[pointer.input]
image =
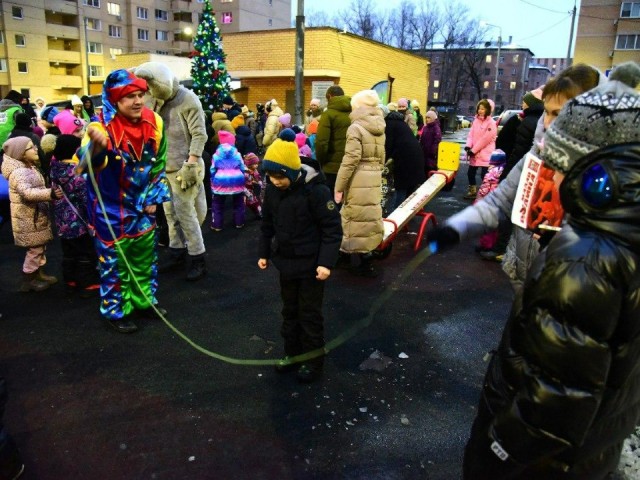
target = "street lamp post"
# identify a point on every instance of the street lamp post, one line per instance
(485, 24)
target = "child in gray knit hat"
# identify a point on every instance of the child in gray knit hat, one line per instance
(606, 115)
(562, 390)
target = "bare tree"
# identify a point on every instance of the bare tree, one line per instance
(424, 24)
(318, 19)
(383, 29)
(400, 21)
(360, 18)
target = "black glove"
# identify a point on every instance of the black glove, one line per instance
(442, 238)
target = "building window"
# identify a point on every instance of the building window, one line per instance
(227, 17)
(91, 3)
(226, 1)
(3, 64)
(512, 85)
(113, 8)
(162, 15)
(487, 71)
(94, 24)
(513, 71)
(485, 84)
(488, 59)
(143, 34)
(628, 42)
(436, 83)
(115, 51)
(270, 22)
(516, 57)
(23, 67)
(435, 95)
(95, 47)
(95, 71)
(500, 72)
(16, 12)
(630, 10)
(142, 13)
(436, 71)
(21, 40)
(162, 35)
(115, 31)
(501, 59)
(162, 52)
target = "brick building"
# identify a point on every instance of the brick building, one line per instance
(331, 56)
(608, 33)
(452, 81)
(58, 48)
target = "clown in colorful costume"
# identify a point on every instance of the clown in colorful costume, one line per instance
(127, 151)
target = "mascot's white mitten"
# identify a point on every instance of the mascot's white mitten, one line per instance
(188, 175)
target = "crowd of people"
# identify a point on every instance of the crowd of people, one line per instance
(561, 391)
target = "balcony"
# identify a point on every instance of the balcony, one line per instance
(62, 31)
(59, 82)
(181, 6)
(61, 6)
(65, 57)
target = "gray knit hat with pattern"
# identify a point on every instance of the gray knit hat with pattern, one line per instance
(606, 115)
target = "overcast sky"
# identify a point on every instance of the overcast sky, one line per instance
(541, 25)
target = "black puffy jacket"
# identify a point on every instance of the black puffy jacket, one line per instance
(563, 390)
(402, 145)
(301, 227)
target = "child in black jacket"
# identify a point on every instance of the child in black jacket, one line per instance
(300, 213)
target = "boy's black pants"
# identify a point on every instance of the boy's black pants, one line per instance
(302, 321)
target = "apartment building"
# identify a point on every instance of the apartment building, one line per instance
(58, 48)
(453, 83)
(555, 65)
(608, 33)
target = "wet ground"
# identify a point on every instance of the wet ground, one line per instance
(89, 403)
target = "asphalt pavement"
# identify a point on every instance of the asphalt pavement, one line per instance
(89, 403)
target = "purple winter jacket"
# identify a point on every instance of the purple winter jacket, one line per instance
(429, 140)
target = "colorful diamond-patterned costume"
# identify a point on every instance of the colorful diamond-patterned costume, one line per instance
(129, 174)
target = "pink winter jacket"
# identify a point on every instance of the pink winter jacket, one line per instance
(482, 141)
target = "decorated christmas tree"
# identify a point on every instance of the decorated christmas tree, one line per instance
(211, 82)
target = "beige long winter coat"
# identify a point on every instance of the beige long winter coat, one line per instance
(29, 199)
(272, 126)
(360, 178)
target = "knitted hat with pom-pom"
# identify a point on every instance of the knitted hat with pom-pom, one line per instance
(282, 156)
(606, 115)
(226, 137)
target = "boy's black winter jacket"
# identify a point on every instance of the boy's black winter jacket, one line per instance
(301, 226)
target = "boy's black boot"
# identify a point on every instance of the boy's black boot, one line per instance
(284, 367)
(197, 267)
(175, 260)
(309, 372)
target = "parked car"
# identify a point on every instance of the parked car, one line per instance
(505, 116)
(463, 122)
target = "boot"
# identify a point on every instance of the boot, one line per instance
(122, 325)
(309, 372)
(43, 277)
(472, 191)
(175, 261)
(197, 267)
(31, 282)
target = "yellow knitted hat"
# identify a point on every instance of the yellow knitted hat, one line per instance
(282, 157)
